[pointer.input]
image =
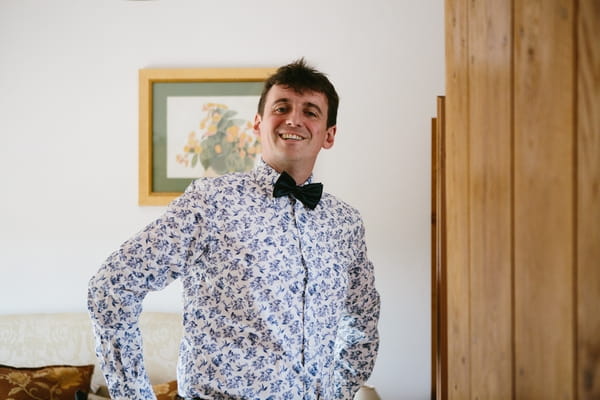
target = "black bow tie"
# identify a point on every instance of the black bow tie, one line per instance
(309, 194)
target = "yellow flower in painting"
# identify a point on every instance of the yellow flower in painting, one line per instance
(244, 139)
(18, 378)
(182, 160)
(211, 130)
(220, 136)
(232, 133)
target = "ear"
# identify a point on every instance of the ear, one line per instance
(256, 126)
(329, 137)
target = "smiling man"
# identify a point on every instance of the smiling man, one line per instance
(279, 295)
(294, 126)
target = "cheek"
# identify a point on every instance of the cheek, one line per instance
(267, 126)
(320, 131)
(263, 128)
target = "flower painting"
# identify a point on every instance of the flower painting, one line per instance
(195, 122)
(210, 136)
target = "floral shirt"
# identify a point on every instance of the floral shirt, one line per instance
(279, 300)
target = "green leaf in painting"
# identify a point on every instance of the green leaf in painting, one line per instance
(238, 121)
(205, 160)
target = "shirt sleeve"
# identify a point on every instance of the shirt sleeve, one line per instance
(148, 261)
(357, 340)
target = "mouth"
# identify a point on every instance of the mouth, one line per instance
(290, 136)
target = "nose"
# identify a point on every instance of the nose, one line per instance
(293, 123)
(294, 119)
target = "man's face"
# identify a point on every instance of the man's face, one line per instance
(293, 129)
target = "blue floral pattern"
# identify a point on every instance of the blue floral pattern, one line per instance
(279, 300)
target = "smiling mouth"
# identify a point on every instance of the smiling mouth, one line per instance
(290, 136)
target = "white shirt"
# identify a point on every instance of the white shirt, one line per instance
(279, 300)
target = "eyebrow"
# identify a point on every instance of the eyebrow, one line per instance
(306, 104)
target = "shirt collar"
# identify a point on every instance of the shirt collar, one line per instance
(266, 175)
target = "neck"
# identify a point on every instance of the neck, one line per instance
(300, 175)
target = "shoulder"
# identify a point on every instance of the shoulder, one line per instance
(214, 185)
(342, 222)
(340, 209)
(208, 183)
(214, 191)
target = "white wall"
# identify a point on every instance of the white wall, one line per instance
(68, 129)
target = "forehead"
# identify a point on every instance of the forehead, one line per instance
(279, 93)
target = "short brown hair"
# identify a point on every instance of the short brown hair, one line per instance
(300, 77)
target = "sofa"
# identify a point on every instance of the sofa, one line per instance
(66, 339)
(44, 353)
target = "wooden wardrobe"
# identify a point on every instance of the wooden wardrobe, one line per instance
(516, 202)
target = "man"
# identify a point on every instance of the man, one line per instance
(279, 296)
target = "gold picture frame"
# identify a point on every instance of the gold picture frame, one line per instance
(159, 85)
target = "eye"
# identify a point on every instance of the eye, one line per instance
(311, 114)
(279, 109)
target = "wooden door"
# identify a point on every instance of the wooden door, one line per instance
(522, 201)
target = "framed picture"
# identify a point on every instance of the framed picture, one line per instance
(195, 123)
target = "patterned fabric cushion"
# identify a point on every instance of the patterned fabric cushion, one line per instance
(165, 391)
(57, 382)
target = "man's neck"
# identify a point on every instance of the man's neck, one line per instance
(300, 175)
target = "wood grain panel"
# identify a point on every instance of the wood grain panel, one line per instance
(543, 199)
(588, 196)
(490, 106)
(457, 202)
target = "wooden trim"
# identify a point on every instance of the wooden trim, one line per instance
(543, 187)
(441, 283)
(588, 200)
(489, 194)
(435, 330)
(439, 364)
(457, 176)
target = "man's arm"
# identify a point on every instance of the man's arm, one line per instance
(357, 341)
(149, 261)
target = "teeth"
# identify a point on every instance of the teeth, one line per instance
(290, 136)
